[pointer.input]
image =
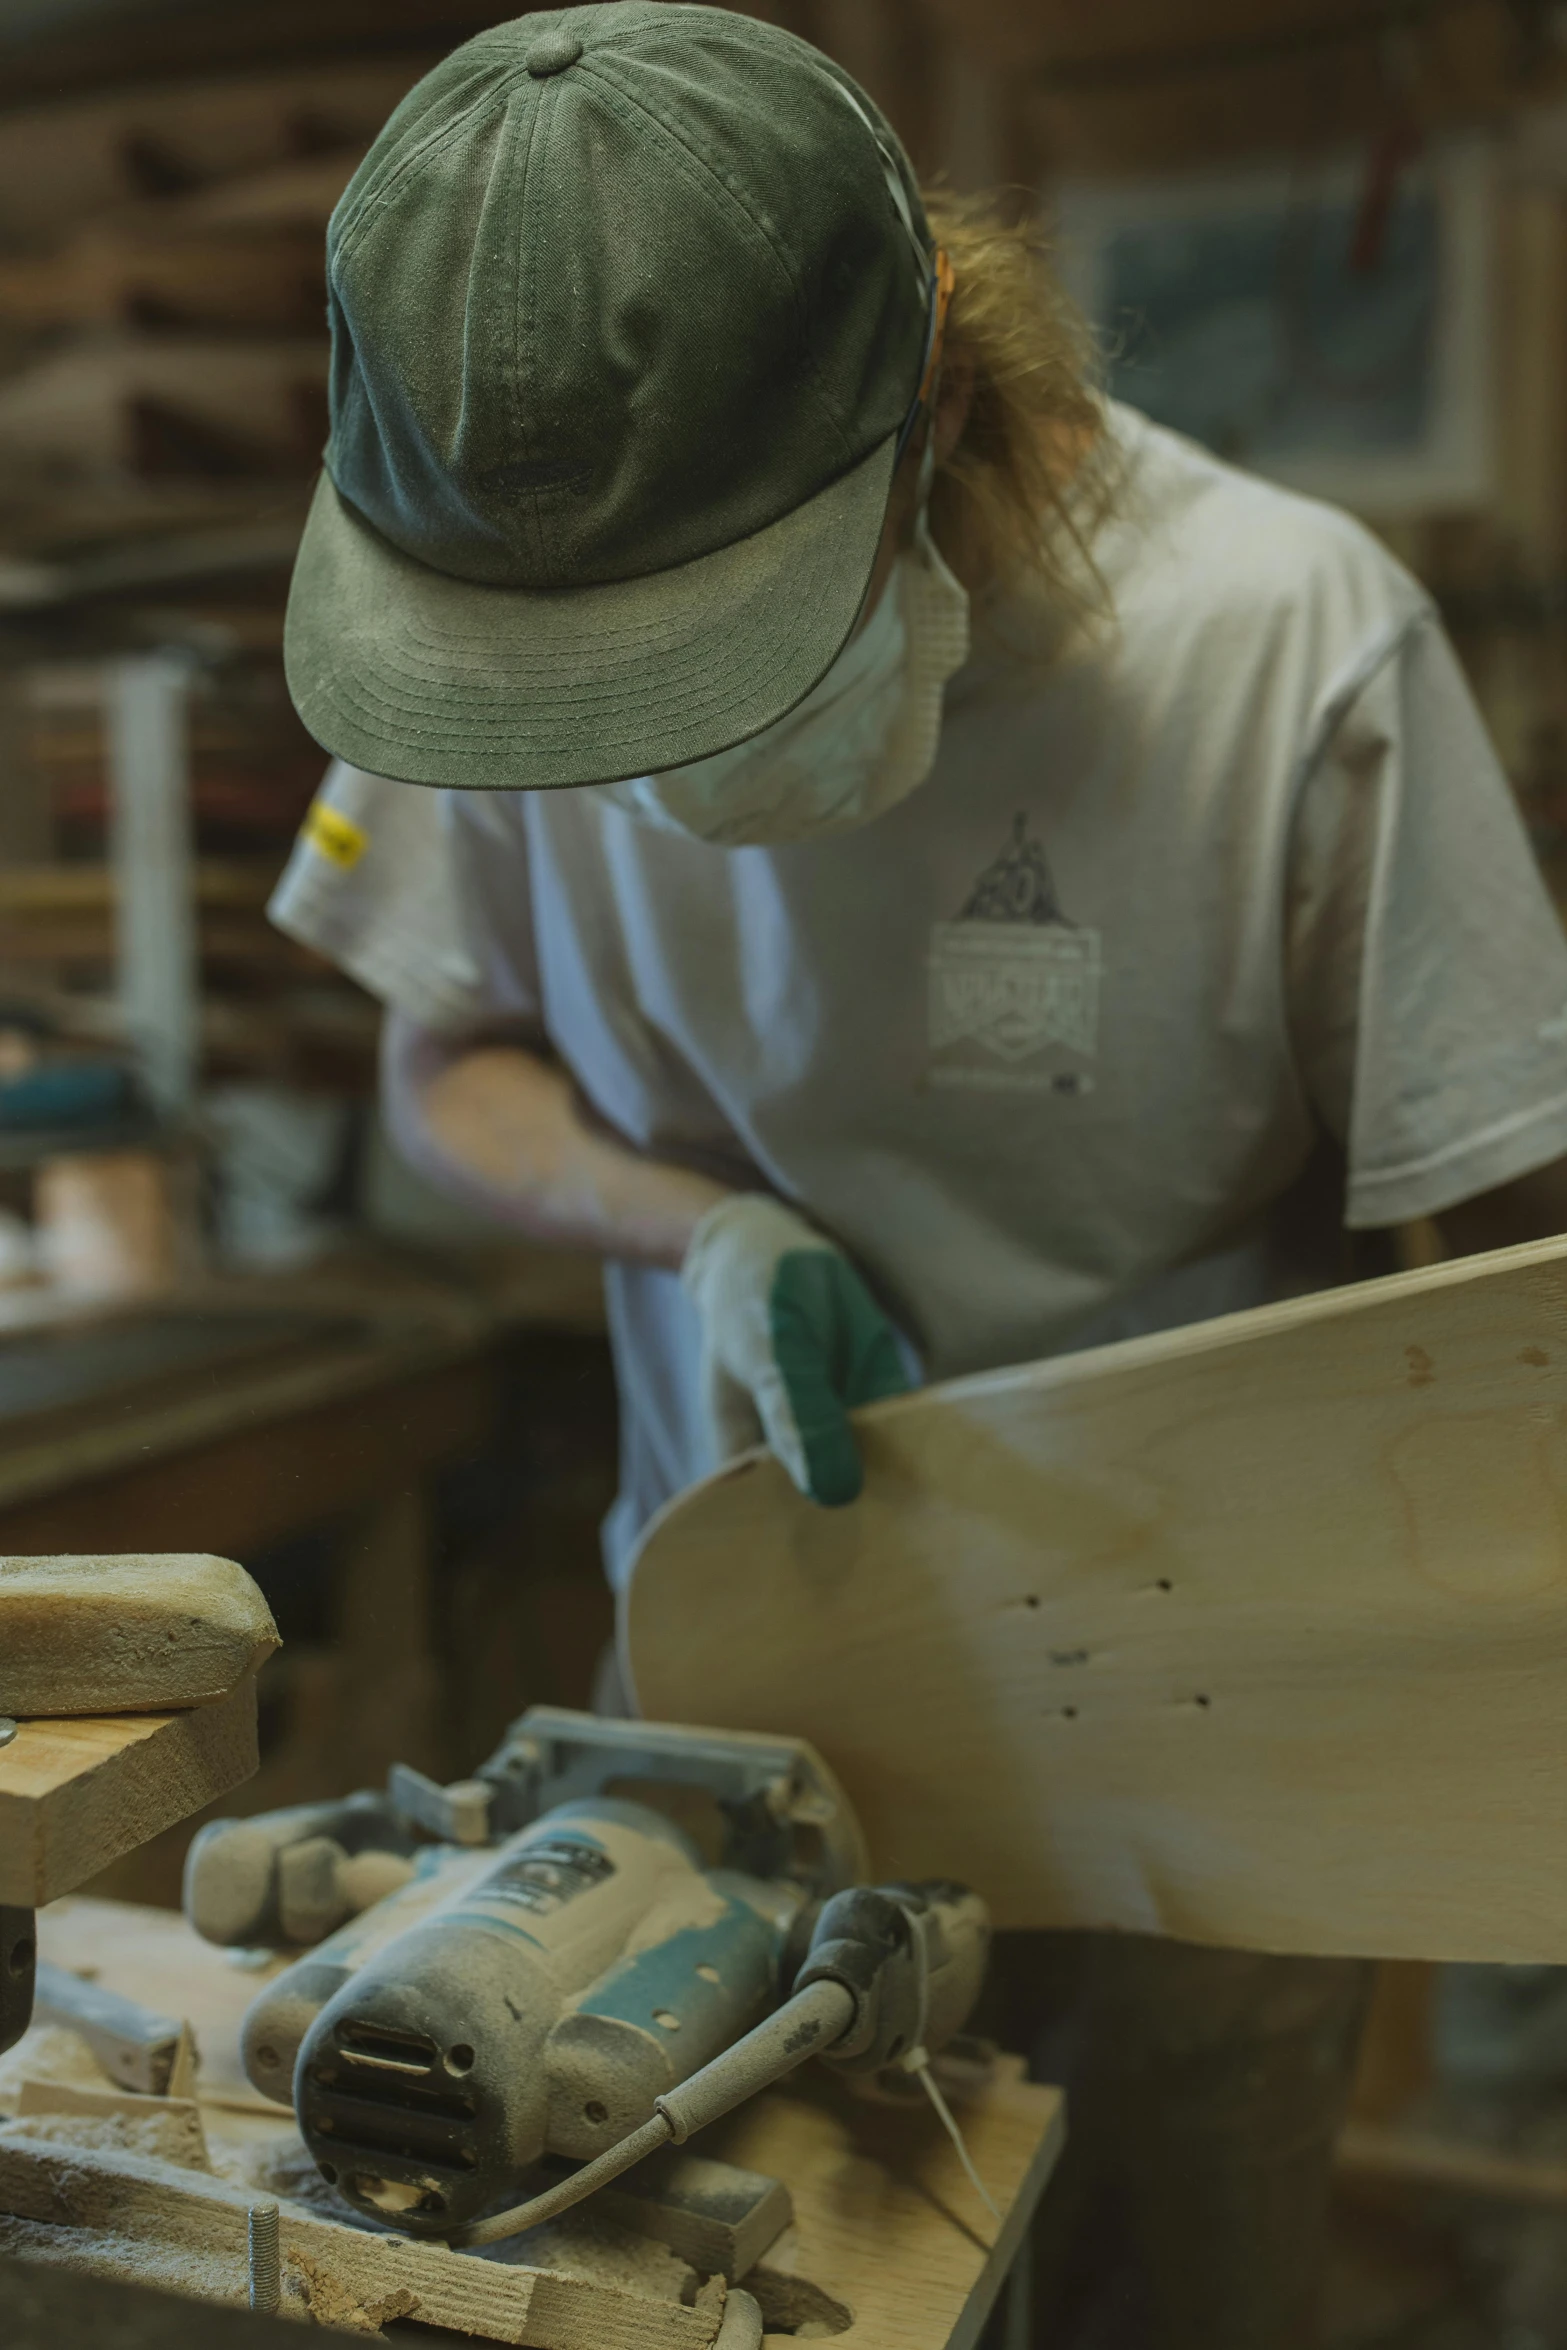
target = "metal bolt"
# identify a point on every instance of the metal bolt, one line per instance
(266, 2278)
(7, 1729)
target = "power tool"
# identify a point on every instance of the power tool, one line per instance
(608, 1937)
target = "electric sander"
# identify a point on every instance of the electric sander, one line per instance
(611, 1935)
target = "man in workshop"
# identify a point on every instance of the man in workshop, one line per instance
(931, 871)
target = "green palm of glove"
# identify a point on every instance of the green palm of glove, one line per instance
(792, 1341)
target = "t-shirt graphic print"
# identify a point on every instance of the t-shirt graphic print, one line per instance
(1014, 983)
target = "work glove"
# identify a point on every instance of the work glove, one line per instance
(792, 1340)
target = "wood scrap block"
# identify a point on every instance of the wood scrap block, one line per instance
(138, 1632)
(138, 2047)
(75, 1795)
(719, 2218)
(108, 1226)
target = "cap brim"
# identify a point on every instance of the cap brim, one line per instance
(410, 673)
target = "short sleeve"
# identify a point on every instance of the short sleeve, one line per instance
(1427, 968)
(492, 872)
(373, 885)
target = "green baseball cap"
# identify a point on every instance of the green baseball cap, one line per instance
(630, 311)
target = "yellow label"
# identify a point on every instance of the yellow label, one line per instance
(340, 840)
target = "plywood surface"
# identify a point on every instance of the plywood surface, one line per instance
(77, 1794)
(886, 2224)
(888, 2232)
(1254, 1633)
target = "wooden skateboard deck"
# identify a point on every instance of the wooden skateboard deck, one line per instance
(1252, 1633)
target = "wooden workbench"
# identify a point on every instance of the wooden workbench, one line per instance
(890, 2249)
(376, 1371)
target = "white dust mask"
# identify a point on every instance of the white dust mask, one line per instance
(863, 738)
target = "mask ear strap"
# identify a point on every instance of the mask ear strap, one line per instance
(942, 280)
(939, 278)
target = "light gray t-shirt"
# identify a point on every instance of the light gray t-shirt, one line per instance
(1059, 1048)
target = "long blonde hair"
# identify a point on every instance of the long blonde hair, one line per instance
(1017, 504)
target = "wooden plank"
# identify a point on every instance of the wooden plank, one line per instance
(75, 1795)
(1252, 1633)
(337, 2275)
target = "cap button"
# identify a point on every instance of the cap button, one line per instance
(552, 53)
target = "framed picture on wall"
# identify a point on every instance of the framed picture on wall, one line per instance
(1329, 324)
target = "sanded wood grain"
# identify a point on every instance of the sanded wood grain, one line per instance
(127, 1632)
(76, 1794)
(1253, 1633)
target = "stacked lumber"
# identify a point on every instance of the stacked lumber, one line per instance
(1153, 85)
(134, 1678)
(252, 766)
(163, 357)
(161, 306)
(270, 1008)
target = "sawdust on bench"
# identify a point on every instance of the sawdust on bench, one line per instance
(49, 2052)
(166, 2137)
(581, 2244)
